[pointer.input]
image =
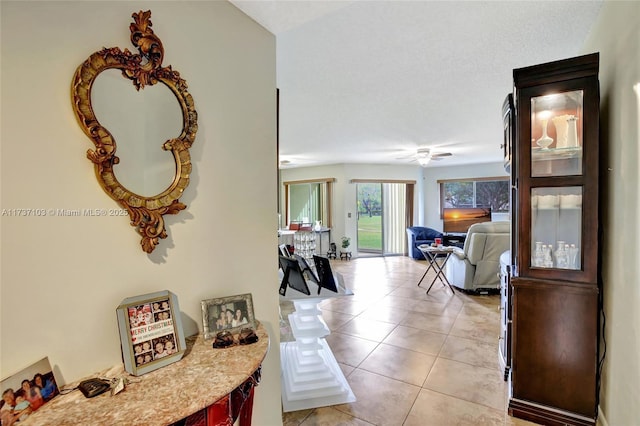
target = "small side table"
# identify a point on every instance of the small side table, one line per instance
(345, 255)
(431, 255)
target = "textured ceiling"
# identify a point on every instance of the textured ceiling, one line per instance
(372, 81)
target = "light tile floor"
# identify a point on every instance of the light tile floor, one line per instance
(411, 358)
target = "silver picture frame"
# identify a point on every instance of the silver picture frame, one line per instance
(232, 313)
(151, 334)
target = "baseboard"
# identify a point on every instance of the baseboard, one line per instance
(602, 421)
(546, 415)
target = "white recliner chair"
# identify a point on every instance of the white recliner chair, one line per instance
(476, 266)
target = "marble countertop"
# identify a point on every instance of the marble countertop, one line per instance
(203, 376)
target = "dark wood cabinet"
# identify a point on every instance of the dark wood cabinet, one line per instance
(508, 117)
(554, 286)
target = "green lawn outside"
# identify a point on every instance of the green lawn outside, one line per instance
(370, 232)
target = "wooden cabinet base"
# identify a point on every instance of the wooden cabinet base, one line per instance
(555, 347)
(546, 415)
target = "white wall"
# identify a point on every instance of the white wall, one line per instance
(616, 36)
(63, 277)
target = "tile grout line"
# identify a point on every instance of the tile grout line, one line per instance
(401, 290)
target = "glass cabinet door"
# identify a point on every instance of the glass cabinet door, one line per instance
(508, 117)
(556, 134)
(556, 227)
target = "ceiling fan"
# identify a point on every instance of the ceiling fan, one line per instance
(287, 161)
(424, 155)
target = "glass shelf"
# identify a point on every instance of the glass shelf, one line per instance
(556, 134)
(539, 154)
(304, 243)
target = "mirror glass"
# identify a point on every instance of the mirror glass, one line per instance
(140, 122)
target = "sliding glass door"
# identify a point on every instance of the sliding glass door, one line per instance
(369, 204)
(381, 217)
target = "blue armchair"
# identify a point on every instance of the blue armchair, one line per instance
(417, 235)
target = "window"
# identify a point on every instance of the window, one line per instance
(305, 202)
(308, 201)
(480, 192)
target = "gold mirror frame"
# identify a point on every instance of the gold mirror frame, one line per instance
(144, 69)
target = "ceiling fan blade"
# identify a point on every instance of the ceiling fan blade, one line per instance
(440, 155)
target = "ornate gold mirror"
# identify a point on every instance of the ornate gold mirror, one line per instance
(144, 70)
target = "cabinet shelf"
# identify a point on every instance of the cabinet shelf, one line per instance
(539, 154)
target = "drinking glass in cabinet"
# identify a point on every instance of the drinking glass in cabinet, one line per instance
(556, 223)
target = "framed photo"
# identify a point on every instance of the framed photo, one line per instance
(26, 391)
(231, 313)
(151, 334)
(284, 251)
